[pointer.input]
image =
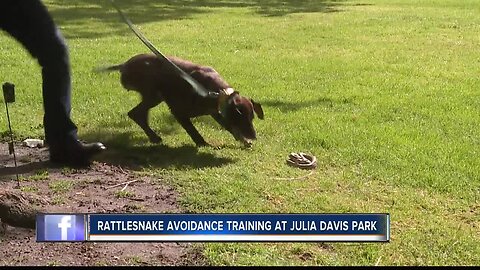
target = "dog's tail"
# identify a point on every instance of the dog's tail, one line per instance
(108, 68)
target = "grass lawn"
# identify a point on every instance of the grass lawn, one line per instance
(384, 92)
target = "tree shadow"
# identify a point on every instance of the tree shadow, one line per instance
(75, 17)
(289, 106)
(281, 8)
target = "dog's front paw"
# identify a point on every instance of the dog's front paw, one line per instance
(155, 139)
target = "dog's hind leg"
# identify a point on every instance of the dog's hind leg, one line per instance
(139, 114)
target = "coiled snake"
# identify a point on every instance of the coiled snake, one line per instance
(302, 161)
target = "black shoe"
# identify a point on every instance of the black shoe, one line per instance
(75, 153)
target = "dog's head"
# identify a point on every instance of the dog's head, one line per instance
(238, 113)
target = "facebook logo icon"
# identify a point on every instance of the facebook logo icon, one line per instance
(56, 227)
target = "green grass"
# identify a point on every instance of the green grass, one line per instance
(384, 93)
(53, 263)
(38, 176)
(31, 189)
(60, 186)
(57, 200)
(124, 194)
(135, 260)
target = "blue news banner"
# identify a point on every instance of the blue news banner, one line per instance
(214, 227)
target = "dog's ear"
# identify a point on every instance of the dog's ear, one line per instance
(257, 108)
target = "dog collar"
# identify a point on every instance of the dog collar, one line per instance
(223, 100)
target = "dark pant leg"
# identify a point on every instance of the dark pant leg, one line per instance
(29, 22)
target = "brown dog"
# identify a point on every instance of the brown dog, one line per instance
(148, 75)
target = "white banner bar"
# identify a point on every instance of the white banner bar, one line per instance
(233, 237)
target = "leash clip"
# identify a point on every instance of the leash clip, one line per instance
(223, 100)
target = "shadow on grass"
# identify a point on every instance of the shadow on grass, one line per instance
(25, 168)
(289, 106)
(134, 154)
(75, 16)
(163, 124)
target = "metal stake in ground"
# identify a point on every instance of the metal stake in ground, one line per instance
(9, 97)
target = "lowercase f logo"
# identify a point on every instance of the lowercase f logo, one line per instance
(64, 225)
(60, 227)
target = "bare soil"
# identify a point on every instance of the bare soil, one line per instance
(89, 190)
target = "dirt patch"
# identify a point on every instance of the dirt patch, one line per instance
(98, 189)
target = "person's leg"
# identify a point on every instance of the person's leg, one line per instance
(56, 91)
(29, 22)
